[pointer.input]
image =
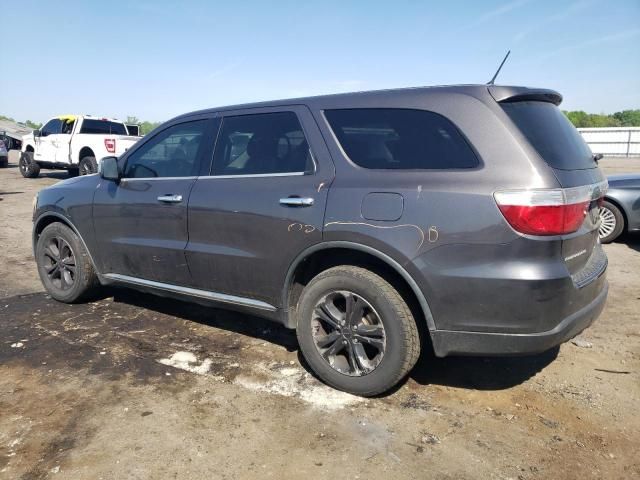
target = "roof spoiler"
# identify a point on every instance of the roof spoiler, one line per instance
(522, 94)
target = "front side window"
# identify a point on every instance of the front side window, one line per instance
(388, 138)
(52, 127)
(174, 152)
(262, 144)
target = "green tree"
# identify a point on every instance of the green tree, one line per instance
(33, 125)
(145, 126)
(628, 118)
(582, 119)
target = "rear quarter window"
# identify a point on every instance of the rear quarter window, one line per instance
(103, 127)
(400, 139)
(552, 135)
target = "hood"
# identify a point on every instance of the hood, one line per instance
(624, 179)
(81, 181)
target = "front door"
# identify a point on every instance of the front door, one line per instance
(262, 204)
(45, 148)
(141, 221)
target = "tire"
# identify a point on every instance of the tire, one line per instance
(73, 172)
(88, 165)
(27, 166)
(67, 275)
(382, 305)
(611, 222)
(4, 162)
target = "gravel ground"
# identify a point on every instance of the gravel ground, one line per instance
(132, 386)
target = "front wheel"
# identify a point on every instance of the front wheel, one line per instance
(27, 166)
(611, 222)
(64, 265)
(356, 332)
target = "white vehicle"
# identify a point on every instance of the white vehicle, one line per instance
(74, 143)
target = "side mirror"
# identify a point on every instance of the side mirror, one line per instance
(37, 133)
(597, 157)
(108, 168)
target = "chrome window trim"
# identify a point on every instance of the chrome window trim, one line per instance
(259, 175)
(146, 179)
(193, 292)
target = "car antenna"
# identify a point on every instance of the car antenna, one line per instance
(491, 82)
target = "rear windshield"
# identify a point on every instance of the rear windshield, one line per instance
(551, 134)
(103, 127)
(388, 138)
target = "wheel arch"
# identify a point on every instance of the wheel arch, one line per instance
(48, 218)
(320, 257)
(29, 148)
(85, 152)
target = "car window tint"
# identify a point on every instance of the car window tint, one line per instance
(103, 127)
(551, 134)
(174, 152)
(388, 138)
(52, 127)
(261, 144)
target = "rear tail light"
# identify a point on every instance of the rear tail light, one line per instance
(110, 145)
(548, 212)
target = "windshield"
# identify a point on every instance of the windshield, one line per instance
(551, 134)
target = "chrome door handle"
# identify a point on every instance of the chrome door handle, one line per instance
(170, 198)
(297, 201)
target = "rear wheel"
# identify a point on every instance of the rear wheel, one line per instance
(356, 331)
(28, 167)
(611, 222)
(88, 165)
(64, 265)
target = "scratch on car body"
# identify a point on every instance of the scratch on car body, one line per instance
(410, 225)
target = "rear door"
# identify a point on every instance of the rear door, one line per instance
(141, 221)
(562, 147)
(262, 204)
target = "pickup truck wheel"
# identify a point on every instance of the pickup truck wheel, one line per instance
(356, 332)
(28, 167)
(88, 165)
(64, 265)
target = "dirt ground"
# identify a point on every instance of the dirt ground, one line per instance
(136, 387)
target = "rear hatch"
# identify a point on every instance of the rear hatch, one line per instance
(583, 184)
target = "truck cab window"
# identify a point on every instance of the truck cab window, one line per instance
(52, 127)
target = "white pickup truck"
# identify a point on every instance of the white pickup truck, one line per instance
(75, 143)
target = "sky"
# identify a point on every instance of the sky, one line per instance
(158, 59)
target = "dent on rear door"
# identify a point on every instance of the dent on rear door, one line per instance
(242, 240)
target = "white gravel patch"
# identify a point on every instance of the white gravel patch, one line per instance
(187, 361)
(297, 383)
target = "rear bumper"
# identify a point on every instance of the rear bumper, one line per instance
(449, 342)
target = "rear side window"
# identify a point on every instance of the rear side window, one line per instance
(103, 127)
(386, 138)
(262, 144)
(551, 134)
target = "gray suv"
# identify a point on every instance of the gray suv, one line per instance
(372, 223)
